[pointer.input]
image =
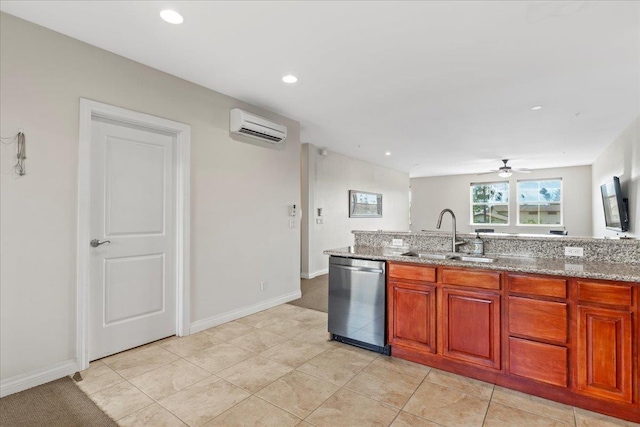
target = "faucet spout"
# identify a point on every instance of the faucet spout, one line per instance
(454, 242)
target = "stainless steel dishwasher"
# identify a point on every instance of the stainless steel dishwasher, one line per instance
(357, 302)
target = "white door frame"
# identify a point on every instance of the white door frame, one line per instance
(182, 132)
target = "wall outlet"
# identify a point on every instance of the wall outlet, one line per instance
(292, 223)
(319, 221)
(263, 285)
(570, 251)
(396, 242)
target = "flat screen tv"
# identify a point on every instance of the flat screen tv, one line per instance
(616, 213)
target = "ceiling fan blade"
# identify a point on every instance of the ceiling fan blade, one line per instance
(522, 170)
(487, 173)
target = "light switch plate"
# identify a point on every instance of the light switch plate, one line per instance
(396, 242)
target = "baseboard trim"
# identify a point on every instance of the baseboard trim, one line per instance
(210, 322)
(37, 377)
(314, 274)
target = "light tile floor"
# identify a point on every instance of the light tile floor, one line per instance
(276, 368)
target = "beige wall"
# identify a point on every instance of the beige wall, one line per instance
(240, 192)
(329, 180)
(621, 159)
(430, 195)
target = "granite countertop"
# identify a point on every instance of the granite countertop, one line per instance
(557, 267)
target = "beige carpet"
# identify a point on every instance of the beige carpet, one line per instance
(315, 293)
(59, 403)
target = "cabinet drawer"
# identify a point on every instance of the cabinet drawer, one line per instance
(412, 272)
(535, 285)
(544, 320)
(605, 293)
(472, 278)
(540, 362)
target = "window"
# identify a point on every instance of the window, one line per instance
(540, 202)
(490, 203)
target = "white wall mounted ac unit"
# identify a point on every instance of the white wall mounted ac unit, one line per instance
(247, 124)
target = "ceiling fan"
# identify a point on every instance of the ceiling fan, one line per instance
(506, 171)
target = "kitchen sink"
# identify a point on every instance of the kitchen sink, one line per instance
(456, 257)
(426, 255)
(475, 259)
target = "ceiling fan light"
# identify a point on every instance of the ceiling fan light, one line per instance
(504, 174)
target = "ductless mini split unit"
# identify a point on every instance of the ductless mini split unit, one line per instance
(247, 124)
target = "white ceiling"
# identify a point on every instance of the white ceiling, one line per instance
(447, 87)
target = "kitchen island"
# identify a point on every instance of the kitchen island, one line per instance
(563, 328)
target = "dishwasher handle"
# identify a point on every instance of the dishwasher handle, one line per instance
(364, 269)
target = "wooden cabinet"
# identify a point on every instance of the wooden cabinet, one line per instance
(538, 361)
(604, 353)
(411, 272)
(471, 327)
(605, 340)
(471, 278)
(576, 341)
(538, 328)
(412, 313)
(543, 286)
(456, 317)
(539, 320)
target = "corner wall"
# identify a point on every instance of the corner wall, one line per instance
(621, 159)
(240, 193)
(327, 181)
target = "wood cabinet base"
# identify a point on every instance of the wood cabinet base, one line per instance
(559, 394)
(574, 341)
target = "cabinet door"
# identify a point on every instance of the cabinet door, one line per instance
(412, 311)
(604, 353)
(471, 327)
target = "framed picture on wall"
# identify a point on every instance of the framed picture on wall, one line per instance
(365, 205)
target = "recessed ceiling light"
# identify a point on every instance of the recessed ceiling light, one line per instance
(388, 153)
(289, 78)
(171, 16)
(536, 108)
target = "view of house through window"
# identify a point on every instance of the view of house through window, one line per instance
(490, 203)
(540, 202)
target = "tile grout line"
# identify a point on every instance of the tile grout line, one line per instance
(153, 402)
(171, 394)
(256, 393)
(299, 337)
(248, 391)
(412, 394)
(513, 406)
(486, 412)
(344, 387)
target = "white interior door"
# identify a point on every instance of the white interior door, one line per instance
(132, 287)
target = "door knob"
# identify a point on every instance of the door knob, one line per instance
(95, 243)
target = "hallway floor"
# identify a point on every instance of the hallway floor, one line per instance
(276, 368)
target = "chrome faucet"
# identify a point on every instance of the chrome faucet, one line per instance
(454, 242)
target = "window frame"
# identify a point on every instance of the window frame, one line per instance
(507, 204)
(561, 224)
